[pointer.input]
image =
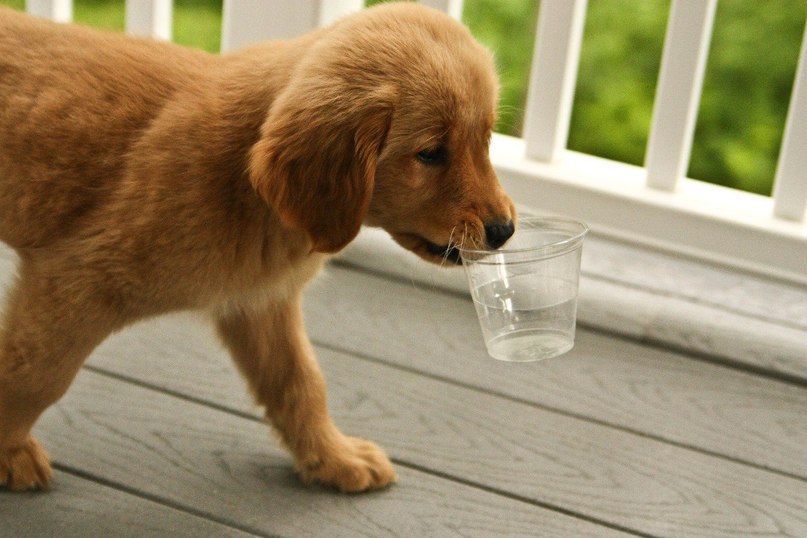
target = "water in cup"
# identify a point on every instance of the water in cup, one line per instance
(525, 293)
(526, 318)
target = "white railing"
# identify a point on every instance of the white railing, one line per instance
(655, 204)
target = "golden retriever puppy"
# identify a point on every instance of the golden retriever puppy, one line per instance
(139, 178)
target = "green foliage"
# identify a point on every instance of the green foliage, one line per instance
(755, 48)
(107, 14)
(508, 29)
(751, 65)
(197, 23)
(619, 63)
(746, 92)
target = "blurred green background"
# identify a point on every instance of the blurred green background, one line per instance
(749, 75)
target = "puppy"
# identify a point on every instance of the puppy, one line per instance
(139, 178)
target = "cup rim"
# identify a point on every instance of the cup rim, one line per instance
(544, 250)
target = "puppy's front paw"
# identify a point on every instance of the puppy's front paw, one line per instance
(25, 467)
(350, 465)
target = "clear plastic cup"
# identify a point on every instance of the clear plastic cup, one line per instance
(526, 293)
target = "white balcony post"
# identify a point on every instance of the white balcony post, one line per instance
(150, 18)
(553, 77)
(251, 21)
(452, 7)
(675, 110)
(57, 10)
(790, 185)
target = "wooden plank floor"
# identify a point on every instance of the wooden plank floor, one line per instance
(617, 438)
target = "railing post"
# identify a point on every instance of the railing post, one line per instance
(150, 18)
(675, 109)
(790, 184)
(251, 21)
(57, 10)
(553, 77)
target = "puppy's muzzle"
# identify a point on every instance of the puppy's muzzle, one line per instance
(496, 234)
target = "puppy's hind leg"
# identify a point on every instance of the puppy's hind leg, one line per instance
(272, 351)
(45, 336)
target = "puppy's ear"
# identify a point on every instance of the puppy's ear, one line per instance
(316, 159)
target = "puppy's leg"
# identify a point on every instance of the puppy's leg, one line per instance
(45, 336)
(273, 352)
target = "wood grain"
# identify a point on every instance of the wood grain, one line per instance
(662, 394)
(603, 473)
(672, 322)
(629, 267)
(602, 433)
(229, 469)
(717, 287)
(648, 486)
(733, 317)
(79, 508)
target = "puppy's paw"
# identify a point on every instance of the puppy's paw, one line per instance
(350, 465)
(25, 467)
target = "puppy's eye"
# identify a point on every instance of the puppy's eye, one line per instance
(433, 156)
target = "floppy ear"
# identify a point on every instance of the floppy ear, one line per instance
(315, 161)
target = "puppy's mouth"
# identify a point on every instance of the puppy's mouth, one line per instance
(448, 253)
(429, 250)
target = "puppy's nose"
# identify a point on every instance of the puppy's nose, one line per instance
(497, 233)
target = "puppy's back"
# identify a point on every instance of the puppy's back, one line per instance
(72, 101)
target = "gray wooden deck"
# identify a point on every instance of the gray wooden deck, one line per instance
(622, 436)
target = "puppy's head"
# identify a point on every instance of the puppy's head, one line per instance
(386, 121)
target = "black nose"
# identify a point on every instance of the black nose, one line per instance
(497, 234)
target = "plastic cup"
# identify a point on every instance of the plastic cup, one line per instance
(525, 294)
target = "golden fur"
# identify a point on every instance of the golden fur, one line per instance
(138, 178)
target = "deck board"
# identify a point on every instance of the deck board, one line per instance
(599, 472)
(718, 287)
(641, 388)
(77, 507)
(616, 438)
(738, 319)
(230, 470)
